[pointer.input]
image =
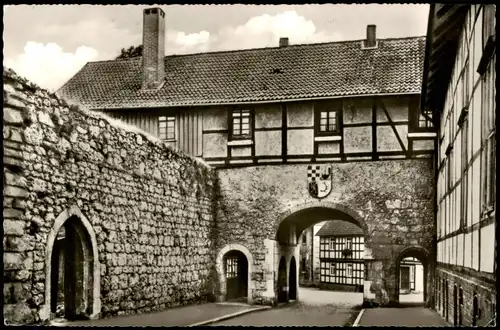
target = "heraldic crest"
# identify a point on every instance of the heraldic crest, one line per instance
(319, 180)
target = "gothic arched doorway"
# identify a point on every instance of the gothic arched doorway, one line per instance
(292, 280)
(72, 261)
(282, 281)
(236, 271)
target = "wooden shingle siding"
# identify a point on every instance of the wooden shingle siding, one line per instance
(188, 126)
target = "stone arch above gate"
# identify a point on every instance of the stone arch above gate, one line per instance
(311, 206)
(219, 264)
(424, 257)
(73, 211)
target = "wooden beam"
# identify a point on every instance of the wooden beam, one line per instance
(393, 126)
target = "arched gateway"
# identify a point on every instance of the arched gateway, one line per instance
(290, 225)
(72, 271)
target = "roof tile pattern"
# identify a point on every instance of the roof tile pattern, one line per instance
(339, 228)
(266, 74)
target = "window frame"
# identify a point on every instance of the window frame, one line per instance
(232, 118)
(328, 107)
(168, 118)
(415, 115)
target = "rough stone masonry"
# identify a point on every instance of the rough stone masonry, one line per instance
(148, 207)
(158, 222)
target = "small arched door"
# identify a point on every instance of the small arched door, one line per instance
(72, 276)
(292, 280)
(282, 279)
(236, 271)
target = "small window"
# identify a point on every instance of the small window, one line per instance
(348, 243)
(304, 238)
(332, 243)
(349, 270)
(425, 119)
(232, 267)
(241, 124)
(166, 128)
(329, 122)
(333, 268)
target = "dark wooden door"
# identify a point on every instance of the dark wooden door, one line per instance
(236, 266)
(282, 287)
(405, 279)
(292, 280)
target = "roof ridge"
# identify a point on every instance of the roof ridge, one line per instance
(263, 48)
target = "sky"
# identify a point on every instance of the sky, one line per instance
(59, 40)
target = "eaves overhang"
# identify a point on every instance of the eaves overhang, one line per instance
(443, 34)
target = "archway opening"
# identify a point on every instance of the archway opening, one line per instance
(411, 278)
(236, 272)
(292, 280)
(282, 281)
(328, 264)
(72, 261)
(455, 305)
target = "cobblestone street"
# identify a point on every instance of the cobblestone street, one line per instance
(315, 308)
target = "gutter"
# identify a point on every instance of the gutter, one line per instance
(428, 41)
(318, 98)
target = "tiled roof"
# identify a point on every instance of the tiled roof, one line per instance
(308, 71)
(339, 228)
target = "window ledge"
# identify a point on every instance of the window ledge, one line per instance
(240, 143)
(422, 134)
(328, 138)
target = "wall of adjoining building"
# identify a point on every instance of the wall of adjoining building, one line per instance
(394, 198)
(148, 210)
(466, 241)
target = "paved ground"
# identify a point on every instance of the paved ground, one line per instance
(181, 316)
(315, 308)
(403, 317)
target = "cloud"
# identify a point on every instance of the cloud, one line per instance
(265, 31)
(47, 65)
(179, 42)
(259, 31)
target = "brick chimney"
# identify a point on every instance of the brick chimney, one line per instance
(153, 48)
(371, 37)
(283, 42)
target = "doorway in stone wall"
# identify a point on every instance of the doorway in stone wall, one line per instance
(411, 277)
(282, 279)
(71, 289)
(292, 280)
(236, 271)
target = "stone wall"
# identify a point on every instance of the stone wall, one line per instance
(394, 198)
(148, 207)
(469, 285)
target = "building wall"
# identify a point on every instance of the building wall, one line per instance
(147, 209)
(331, 248)
(305, 262)
(393, 197)
(466, 239)
(188, 125)
(370, 128)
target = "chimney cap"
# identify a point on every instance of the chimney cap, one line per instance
(154, 10)
(371, 37)
(283, 41)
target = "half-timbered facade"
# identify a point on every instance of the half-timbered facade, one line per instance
(459, 88)
(341, 256)
(352, 100)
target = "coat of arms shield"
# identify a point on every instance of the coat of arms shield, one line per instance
(319, 180)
